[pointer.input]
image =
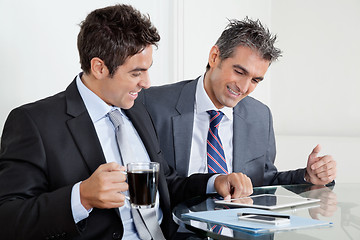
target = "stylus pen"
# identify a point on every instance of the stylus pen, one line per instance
(264, 214)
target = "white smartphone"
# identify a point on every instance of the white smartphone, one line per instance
(265, 219)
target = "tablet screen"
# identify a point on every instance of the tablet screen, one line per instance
(268, 201)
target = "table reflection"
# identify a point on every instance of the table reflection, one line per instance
(345, 215)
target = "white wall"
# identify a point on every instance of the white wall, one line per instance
(316, 85)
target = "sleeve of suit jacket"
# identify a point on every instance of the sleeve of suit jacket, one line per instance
(271, 175)
(27, 202)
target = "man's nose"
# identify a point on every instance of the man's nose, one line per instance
(145, 81)
(244, 85)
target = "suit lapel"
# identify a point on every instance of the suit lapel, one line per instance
(239, 141)
(248, 142)
(142, 123)
(83, 130)
(183, 126)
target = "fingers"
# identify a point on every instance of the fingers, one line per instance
(103, 189)
(107, 167)
(320, 170)
(109, 199)
(314, 153)
(242, 185)
(109, 178)
(234, 185)
(316, 150)
(323, 164)
(324, 168)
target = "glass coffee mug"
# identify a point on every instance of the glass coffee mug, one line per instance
(143, 181)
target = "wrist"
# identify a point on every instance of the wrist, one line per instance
(307, 177)
(83, 199)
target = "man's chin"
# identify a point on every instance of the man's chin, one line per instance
(232, 104)
(127, 105)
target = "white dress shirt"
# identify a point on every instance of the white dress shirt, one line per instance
(105, 130)
(198, 153)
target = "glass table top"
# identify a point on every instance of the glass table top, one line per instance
(338, 204)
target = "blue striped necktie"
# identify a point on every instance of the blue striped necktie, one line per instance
(215, 152)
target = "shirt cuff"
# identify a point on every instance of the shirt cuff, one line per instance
(210, 184)
(78, 210)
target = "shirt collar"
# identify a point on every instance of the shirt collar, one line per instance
(203, 102)
(95, 106)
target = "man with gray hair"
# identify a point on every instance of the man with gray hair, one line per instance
(210, 124)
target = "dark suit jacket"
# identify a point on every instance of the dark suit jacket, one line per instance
(172, 110)
(47, 147)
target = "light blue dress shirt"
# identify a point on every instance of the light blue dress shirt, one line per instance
(105, 130)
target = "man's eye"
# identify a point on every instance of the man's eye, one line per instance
(238, 72)
(136, 74)
(255, 80)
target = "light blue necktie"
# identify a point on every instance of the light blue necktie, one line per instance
(145, 220)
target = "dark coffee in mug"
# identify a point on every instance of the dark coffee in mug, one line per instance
(143, 187)
(143, 183)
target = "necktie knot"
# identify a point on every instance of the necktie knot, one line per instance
(125, 150)
(215, 118)
(116, 118)
(214, 113)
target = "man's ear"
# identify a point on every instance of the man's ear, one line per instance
(98, 68)
(214, 56)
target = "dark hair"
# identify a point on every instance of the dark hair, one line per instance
(113, 34)
(250, 33)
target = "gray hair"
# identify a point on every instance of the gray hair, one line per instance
(250, 33)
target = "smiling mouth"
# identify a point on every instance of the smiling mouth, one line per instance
(134, 93)
(233, 92)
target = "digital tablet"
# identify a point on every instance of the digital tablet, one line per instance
(268, 201)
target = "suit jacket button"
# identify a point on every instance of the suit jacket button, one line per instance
(116, 235)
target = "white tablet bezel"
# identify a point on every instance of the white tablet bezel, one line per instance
(277, 221)
(297, 200)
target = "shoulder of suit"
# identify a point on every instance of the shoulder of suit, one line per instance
(177, 85)
(168, 92)
(253, 102)
(53, 100)
(252, 106)
(45, 103)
